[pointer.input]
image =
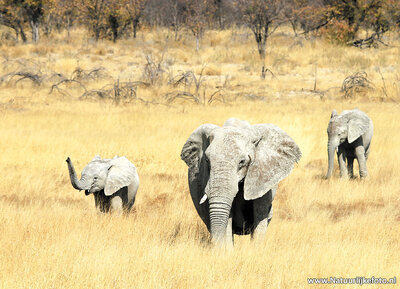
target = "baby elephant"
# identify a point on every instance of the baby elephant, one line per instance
(113, 182)
(350, 133)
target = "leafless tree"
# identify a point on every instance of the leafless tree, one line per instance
(263, 17)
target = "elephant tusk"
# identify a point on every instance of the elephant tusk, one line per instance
(203, 199)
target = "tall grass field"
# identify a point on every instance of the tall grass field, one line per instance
(126, 99)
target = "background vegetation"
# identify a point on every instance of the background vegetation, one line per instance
(66, 94)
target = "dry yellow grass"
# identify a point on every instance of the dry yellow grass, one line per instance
(52, 237)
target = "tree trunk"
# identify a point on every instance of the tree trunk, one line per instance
(135, 25)
(16, 33)
(263, 73)
(263, 69)
(176, 33)
(48, 26)
(114, 27)
(261, 45)
(219, 14)
(197, 42)
(68, 27)
(97, 34)
(293, 23)
(35, 30)
(22, 32)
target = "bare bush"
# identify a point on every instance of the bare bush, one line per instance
(154, 69)
(371, 41)
(355, 84)
(36, 78)
(78, 76)
(58, 86)
(117, 91)
(22, 69)
(89, 74)
(194, 88)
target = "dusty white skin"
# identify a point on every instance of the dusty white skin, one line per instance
(233, 174)
(113, 183)
(350, 134)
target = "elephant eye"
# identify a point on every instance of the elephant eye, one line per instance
(242, 163)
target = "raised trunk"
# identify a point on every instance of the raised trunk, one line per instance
(331, 158)
(77, 184)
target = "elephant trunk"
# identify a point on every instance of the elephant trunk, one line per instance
(222, 190)
(77, 184)
(219, 215)
(331, 157)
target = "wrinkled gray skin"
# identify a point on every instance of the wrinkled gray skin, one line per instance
(113, 183)
(350, 134)
(234, 171)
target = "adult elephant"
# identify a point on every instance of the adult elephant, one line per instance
(113, 182)
(350, 134)
(233, 174)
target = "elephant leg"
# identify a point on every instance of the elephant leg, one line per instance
(262, 209)
(101, 201)
(116, 205)
(130, 205)
(260, 230)
(362, 162)
(367, 152)
(130, 197)
(342, 163)
(97, 201)
(350, 162)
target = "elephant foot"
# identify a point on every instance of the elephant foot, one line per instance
(226, 244)
(363, 175)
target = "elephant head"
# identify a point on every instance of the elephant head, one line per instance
(259, 156)
(109, 175)
(347, 127)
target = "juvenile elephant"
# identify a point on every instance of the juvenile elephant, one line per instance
(234, 171)
(350, 134)
(113, 182)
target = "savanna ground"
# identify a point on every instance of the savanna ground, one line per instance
(51, 235)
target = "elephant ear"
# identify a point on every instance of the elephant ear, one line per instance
(357, 126)
(196, 145)
(120, 174)
(96, 158)
(198, 173)
(274, 158)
